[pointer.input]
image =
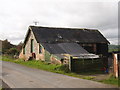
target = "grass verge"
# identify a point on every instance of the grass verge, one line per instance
(58, 69)
(46, 66)
(112, 80)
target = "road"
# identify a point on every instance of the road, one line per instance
(18, 76)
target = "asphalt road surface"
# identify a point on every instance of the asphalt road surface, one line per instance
(18, 76)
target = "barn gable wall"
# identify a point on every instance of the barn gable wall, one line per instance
(39, 56)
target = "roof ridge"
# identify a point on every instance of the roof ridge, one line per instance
(70, 28)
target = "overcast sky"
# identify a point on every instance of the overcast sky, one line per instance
(17, 15)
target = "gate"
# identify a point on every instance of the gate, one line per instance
(83, 65)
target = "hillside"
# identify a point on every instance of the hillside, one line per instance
(114, 48)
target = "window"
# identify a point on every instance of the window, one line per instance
(32, 43)
(90, 47)
(24, 50)
(40, 48)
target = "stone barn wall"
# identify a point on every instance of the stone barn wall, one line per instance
(36, 46)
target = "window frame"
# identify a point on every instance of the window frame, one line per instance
(24, 50)
(40, 48)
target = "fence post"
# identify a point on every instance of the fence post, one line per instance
(70, 59)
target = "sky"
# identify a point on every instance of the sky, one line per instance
(17, 15)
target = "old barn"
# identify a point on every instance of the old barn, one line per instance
(59, 45)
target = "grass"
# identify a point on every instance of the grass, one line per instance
(58, 69)
(111, 80)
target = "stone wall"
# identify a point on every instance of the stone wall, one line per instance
(55, 60)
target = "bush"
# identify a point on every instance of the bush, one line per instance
(12, 51)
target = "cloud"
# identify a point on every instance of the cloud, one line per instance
(17, 15)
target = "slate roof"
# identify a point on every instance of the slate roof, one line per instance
(64, 48)
(65, 35)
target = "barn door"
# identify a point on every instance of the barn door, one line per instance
(77, 65)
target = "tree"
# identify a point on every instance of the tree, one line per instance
(10, 49)
(13, 51)
(19, 47)
(6, 45)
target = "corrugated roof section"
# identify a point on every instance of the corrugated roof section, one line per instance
(53, 48)
(64, 48)
(72, 48)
